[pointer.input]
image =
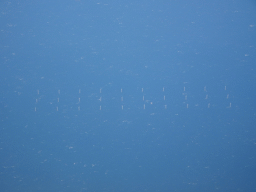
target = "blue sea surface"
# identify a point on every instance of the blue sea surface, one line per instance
(127, 96)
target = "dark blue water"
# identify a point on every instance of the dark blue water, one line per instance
(129, 96)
